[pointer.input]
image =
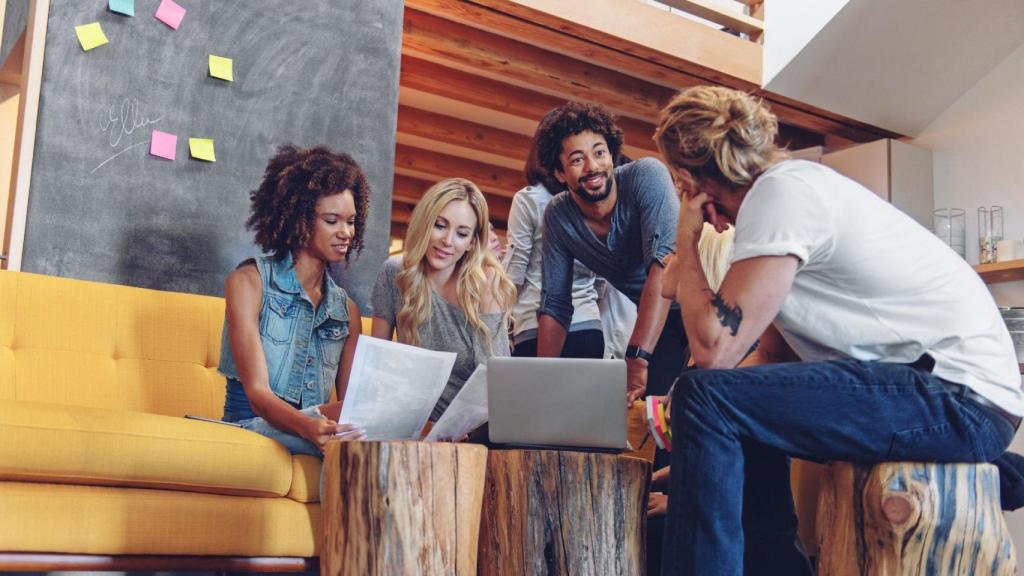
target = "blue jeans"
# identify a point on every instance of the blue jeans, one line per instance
(294, 444)
(731, 425)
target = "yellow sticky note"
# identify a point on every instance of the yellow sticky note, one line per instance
(201, 149)
(220, 67)
(90, 36)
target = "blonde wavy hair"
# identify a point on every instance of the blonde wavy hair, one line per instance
(715, 252)
(470, 270)
(718, 133)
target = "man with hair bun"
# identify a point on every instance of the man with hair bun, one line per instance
(620, 223)
(904, 354)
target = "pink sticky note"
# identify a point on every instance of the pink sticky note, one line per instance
(170, 13)
(163, 144)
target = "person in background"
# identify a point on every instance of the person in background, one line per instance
(524, 265)
(495, 244)
(715, 251)
(288, 342)
(618, 318)
(904, 354)
(447, 291)
(620, 223)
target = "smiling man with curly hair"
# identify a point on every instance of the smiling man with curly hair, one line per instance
(621, 223)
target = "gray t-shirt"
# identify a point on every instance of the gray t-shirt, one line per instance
(643, 231)
(446, 329)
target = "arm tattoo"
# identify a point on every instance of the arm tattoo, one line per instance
(729, 316)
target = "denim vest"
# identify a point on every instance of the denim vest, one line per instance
(302, 346)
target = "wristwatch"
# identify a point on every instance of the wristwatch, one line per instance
(634, 351)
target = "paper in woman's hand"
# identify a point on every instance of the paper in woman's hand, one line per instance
(393, 388)
(466, 412)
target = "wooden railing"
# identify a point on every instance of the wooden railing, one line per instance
(751, 24)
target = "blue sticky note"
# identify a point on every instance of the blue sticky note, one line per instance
(126, 7)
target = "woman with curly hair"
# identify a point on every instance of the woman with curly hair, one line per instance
(288, 342)
(448, 292)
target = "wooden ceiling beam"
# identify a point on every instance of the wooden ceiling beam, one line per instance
(648, 46)
(400, 212)
(615, 38)
(410, 190)
(416, 162)
(498, 58)
(425, 76)
(398, 231)
(459, 132)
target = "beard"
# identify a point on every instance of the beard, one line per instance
(586, 195)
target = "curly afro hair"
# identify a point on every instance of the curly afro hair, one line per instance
(284, 206)
(568, 120)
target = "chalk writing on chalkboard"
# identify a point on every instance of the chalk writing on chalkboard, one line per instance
(122, 120)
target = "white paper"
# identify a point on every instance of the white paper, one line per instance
(393, 388)
(466, 412)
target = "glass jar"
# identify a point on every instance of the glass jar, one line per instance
(948, 225)
(990, 231)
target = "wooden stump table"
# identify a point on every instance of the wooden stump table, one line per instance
(392, 508)
(903, 518)
(557, 512)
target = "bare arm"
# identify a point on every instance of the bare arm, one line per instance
(722, 326)
(243, 293)
(550, 337)
(355, 329)
(382, 329)
(651, 313)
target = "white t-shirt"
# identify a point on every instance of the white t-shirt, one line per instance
(872, 284)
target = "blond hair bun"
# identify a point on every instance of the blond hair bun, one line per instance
(718, 131)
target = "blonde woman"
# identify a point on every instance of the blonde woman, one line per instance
(448, 291)
(904, 353)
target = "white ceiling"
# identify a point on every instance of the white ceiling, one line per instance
(897, 64)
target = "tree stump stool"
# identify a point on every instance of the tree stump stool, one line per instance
(394, 508)
(912, 518)
(557, 512)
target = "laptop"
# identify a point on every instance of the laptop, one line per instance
(557, 403)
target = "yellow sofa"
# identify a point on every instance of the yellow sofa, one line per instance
(98, 467)
(96, 459)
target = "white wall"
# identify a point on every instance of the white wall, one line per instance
(978, 153)
(793, 23)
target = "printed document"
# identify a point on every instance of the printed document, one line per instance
(393, 388)
(466, 412)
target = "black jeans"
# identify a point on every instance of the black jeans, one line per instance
(579, 344)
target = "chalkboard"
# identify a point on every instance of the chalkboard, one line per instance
(305, 72)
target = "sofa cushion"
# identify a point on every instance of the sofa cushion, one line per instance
(105, 346)
(64, 518)
(96, 446)
(305, 478)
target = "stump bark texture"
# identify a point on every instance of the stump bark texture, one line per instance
(556, 512)
(401, 508)
(904, 518)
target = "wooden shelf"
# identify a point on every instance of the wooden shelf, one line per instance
(1001, 271)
